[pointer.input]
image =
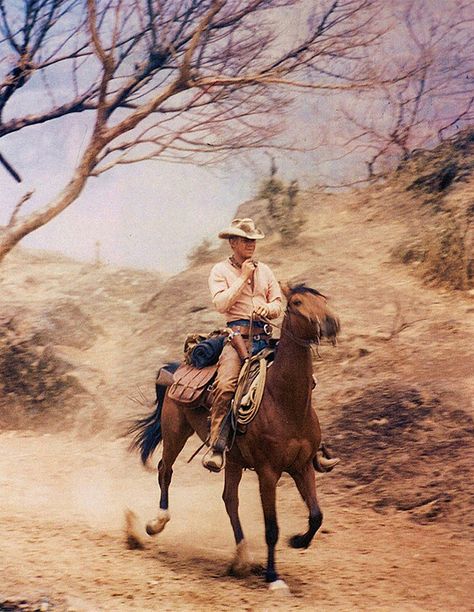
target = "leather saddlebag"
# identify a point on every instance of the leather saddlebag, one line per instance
(190, 384)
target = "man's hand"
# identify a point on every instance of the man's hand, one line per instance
(261, 311)
(248, 268)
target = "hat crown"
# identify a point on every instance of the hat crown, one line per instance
(246, 225)
(242, 228)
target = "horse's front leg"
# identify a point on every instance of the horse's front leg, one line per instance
(306, 484)
(240, 565)
(268, 479)
(165, 473)
(176, 430)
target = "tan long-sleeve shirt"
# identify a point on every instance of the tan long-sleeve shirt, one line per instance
(236, 298)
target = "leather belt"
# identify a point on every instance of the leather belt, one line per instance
(256, 336)
(260, 332)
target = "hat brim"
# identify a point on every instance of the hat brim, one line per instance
(237, 233)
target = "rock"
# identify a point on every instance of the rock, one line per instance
(66, 324)
(36, 381)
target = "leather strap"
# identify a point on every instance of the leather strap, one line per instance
(244, 331)
(258, 336)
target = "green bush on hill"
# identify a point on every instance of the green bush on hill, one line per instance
(282, 207)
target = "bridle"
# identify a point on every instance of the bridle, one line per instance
(289, 332)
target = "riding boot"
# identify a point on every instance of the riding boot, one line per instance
(220, 443)
(224, 388)
(220, 429)
(213, 460)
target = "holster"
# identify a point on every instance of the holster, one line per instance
(238, 343)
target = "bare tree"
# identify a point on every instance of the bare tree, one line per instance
(431, 42)
(160, 79)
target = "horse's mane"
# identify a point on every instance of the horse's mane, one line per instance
(303, 288)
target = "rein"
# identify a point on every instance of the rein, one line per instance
(291, 335)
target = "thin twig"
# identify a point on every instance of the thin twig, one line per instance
(17, 208)
(399, 324)
(10, 169)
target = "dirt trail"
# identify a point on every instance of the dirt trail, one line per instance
(63, 497)
(62, 518)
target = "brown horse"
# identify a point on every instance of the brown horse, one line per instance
(284, 436)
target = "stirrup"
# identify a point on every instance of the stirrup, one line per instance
(209, 465)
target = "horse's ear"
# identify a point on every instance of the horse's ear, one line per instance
(285, 288)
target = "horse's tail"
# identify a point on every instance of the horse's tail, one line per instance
(146, 431)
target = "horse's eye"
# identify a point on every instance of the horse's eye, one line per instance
(297, 302)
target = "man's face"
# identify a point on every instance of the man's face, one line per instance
(243, 248)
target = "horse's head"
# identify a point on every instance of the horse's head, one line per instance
(310, 318)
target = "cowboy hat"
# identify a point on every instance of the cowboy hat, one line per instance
(242, 228)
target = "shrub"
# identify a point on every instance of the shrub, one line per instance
(445, 261)
(201, 254)
(408, 251)
(283, 207)
(36, 385)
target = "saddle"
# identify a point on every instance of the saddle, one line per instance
(193, 386)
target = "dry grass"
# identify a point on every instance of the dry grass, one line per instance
(434, 192)
(406, 448)
(445, 260)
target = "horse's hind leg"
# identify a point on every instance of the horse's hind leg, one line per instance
(240, 565)
(306, 484)
(176, 430)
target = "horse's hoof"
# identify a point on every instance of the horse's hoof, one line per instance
(240, 566)
(133, 531)
(279, 587)
(239, 570)
(299, 541)
(158, 524)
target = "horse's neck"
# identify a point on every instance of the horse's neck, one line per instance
(290, 377)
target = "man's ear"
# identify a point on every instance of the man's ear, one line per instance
(285, 288)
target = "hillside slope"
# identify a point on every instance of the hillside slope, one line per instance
(394, 399)
(63, 323)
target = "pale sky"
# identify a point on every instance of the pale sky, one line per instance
(147, 215)
(150, 215)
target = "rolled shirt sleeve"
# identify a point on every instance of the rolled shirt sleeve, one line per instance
(274, 304)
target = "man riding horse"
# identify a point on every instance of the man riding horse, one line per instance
(247, 293)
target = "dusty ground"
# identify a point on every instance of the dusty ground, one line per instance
(62, 541)
(398, 522)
